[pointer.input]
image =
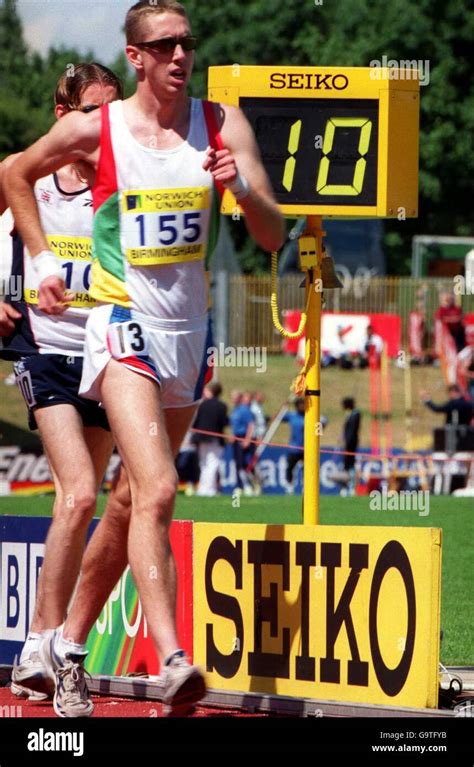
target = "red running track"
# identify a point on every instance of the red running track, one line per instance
(105, 707)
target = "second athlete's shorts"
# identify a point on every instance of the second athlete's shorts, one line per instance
(53, 379)
(173, 353)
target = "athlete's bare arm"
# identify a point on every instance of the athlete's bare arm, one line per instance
(8, 314)
(74, 138)
(7, 162)
(263, 218)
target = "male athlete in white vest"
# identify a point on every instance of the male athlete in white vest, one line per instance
(152, 176)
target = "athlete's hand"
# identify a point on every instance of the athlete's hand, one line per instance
(222, 166)
(53, 296)
(8, 315)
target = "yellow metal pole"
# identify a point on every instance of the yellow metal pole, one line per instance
(311, 253)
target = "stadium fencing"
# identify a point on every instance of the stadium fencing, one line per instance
(249, 321)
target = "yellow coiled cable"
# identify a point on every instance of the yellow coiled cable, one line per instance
(298, 384)
(274, 303)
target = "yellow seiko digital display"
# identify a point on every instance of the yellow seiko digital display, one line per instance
(334, 141)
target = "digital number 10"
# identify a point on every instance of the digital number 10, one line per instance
(363, 124)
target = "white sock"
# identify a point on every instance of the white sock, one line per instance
(31, 645)
(63, 647)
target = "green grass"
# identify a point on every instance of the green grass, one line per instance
(455, 516)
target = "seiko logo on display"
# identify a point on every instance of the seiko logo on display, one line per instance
(308, 81)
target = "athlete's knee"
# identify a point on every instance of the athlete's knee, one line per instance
(77, 508)
(158, 499)
(165, 492)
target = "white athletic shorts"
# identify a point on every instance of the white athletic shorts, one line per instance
(174, 353)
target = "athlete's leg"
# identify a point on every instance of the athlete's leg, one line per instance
(133, 405)
(106, 555)
(177, 421)
(61, 650)
(100, 444)
(104, 561)
(75, 478)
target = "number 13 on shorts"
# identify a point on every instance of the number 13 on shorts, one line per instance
(126, 339)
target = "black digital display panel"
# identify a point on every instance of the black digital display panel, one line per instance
(318, 151)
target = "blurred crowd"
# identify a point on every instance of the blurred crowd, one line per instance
(198, 463)
(451, 322)
(249, 429)
(339, 353)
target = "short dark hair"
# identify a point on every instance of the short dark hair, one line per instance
(143, 9)
(77, 77)
(215, 388)
(348, 403)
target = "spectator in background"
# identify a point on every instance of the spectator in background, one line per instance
(295, 453)
(212, 417)
(350, 439)
(296, 442)
(452, 318)
(243, 425)
(339, 352)
(256, 406)
(373, 345)
(458, 410)
(466, 359)
(187, 464)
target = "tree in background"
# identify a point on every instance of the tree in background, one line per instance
(302, 32)
(28, 80)
(353, 33)
(15, 116)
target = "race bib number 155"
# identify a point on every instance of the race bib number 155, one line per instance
(165, 226)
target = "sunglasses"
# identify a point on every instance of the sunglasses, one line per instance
(88, 108)
(168, 44)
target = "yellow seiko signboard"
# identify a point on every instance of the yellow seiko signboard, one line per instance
(335, 141)
(335, 613)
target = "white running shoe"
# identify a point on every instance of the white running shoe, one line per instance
(183, 685)
(31, 680)
(23, 692)
(71, 697)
